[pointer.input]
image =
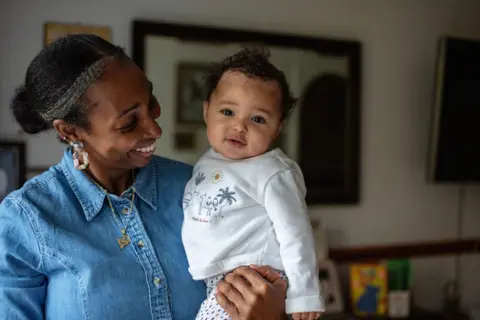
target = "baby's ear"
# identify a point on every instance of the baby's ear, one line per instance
(205, 109)
(279, 130)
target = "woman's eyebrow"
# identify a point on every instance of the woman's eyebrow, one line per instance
(136, 105)
(127, 110)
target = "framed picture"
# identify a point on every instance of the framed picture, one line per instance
(184, 140)
(190, 92)
(329, 112)
(328, 140)
(54, 31)
(12, 167)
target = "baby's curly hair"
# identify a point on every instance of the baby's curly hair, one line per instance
(254, 63)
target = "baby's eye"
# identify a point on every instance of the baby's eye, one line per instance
(258, 119)
(227, 112)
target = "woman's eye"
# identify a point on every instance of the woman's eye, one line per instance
(258, 119)
(129, 126)
(227, 112)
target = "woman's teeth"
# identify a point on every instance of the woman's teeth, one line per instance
(146, 149)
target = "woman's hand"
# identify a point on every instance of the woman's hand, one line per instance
(251, 293)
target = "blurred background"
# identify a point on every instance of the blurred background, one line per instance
(395, 205)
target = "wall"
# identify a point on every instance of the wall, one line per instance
(399, 40)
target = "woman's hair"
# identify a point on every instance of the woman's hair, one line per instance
(56, 81)
(253, 63)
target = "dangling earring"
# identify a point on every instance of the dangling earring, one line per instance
(80, 156)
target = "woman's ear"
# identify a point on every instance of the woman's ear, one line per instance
(66, 131)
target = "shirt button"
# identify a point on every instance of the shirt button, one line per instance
(125, 210)
(157, 281)
(141, 244)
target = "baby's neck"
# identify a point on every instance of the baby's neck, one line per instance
(241, 158)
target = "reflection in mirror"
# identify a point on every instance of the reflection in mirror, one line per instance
(318, 134)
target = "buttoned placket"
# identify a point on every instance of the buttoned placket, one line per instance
(140, 242)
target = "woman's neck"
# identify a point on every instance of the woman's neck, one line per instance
(115, 181)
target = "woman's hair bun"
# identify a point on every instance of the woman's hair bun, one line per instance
(25, 114)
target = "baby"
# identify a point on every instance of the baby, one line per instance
(245, 203)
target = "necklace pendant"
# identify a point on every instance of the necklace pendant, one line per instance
(123, 241)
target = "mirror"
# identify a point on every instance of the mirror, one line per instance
(322, 134)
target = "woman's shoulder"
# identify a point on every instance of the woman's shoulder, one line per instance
(171, 169)
(37, 192)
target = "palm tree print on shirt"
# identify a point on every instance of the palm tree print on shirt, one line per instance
(225, 194)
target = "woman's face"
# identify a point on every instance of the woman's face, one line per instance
(122, 116)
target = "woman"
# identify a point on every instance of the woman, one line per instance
(98, 235)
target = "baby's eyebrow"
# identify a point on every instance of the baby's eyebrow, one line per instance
(264, 111)
(229, 102)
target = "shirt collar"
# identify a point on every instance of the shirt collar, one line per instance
(91, 197)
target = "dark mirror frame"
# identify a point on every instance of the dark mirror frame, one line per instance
(344, 192)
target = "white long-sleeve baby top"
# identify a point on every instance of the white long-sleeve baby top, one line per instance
(252, 211)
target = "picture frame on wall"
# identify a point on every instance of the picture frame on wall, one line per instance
(330, 100)
(191, 92)
(53, 31)
(12, 167)
(184, 141)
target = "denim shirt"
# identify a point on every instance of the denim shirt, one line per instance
(59, 256)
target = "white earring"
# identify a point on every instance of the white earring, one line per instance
(80, 156)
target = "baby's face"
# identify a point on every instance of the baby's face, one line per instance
(243, 116)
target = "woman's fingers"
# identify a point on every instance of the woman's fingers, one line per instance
(240, 284)
(245, 294)
(316, 315)
(254, 279)
(227, 305)
(230, 291)
(267, 272)
(271, 275)
(233, 298)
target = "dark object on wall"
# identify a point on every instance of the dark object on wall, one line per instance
(190, 92)
(12, 167)
(341, 189)
(333, 176)
(184, 141)
(454, 155)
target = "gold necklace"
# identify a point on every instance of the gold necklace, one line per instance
(125, 239)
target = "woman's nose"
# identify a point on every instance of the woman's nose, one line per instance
(153, 130)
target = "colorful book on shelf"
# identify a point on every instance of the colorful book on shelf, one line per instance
(369, 288)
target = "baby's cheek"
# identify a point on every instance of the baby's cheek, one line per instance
(261, 145)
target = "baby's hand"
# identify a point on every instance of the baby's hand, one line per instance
(306, 315)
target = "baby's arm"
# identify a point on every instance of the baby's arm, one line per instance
(284, 200)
